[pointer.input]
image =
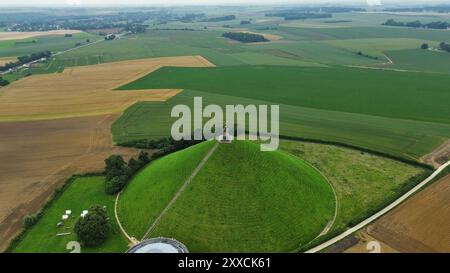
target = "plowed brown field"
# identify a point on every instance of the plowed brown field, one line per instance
(421, 224)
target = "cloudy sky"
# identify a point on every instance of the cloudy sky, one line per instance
(189, 2)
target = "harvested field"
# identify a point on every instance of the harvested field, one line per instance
(421, 224)
(37, 156)
(13, 35)
(6, 60)
(86, 90)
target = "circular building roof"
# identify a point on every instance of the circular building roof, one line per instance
(159, 245)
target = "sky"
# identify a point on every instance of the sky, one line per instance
(199, 2)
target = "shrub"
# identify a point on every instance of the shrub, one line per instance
(115, 166)
(115, 184)
(30, 220)
(93, 229)
(424, 46)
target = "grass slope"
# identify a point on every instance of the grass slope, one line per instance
(362, 181)
(152, 188)
(245, 200)
(80, 195)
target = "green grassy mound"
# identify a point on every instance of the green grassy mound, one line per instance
(151, 189)
(242, 200)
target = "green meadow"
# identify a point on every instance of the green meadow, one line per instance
(363, 182)
(80, 195)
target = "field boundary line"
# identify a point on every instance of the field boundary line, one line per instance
(381, 212)
(180, 191)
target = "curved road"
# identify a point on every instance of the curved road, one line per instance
(380, 213)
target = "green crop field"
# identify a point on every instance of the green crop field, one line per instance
(364, 110)
(363, 91)
(363, 182)
(242, 200)
(52, 43)
(421, 60)
(377, 46)
(81, 194)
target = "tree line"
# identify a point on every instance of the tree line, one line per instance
(26, 59)
(118, 172)
(245, 37)
(444, 46)
(219, 19)
(417, 24)
(289, 15)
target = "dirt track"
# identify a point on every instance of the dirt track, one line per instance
(37, 156)
(421, 224)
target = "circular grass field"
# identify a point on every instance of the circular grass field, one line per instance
(243, 200)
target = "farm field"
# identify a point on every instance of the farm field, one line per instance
(355, 175)
(46, 160)
(318, 88)
(81, 194)
(25, 35)
(4, 61)
(418, 225)
(54, 43)
(84, 91)
(309, 110)
(364, 116)
(267, 202)
(409, 139)
(420, 60)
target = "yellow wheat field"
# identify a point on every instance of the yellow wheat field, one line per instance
(86, 90)
(16, 35)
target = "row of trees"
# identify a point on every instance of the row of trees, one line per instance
(293, 15)
(245, 37)
(117, 172)
(219, 19)
(442, 46)
(26, 59)
(418, 24)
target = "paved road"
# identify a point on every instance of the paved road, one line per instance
(380, 213)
